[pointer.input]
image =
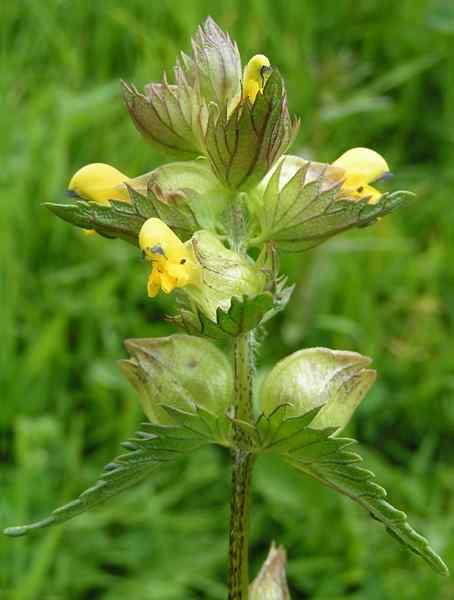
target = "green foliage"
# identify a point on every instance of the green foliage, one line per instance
(377, 76)
(314, 452)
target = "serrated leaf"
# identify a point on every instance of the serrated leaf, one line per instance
(203, 424)
(244, 314)
(175, 210)
(106, 219)
(124, 219)
(204, 194)
(329, 460)
(358, 484)
(147, 450)
(309, 209)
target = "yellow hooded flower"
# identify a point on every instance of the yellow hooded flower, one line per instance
(255, 76)
(362, 167)
(173, 262)
(99, 182)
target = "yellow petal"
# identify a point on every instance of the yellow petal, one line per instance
(168, 283)
(99, 182)
(363, 191)
(156, 239)
(154, 283)
(255, 76)
(180, 272)
(361, 166)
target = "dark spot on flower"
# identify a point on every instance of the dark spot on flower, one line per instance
(182, 261)
(360, 189)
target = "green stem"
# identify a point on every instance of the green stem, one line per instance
(243, 370)
(243, 461)
(239, 525)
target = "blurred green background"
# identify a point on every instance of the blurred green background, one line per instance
(375, 73)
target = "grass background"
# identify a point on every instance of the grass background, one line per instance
(377, 73)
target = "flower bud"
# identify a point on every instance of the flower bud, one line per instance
(180, 371)
(271, 582)
(334, 380)
(173, 117)
(215, 64)
(243, 145)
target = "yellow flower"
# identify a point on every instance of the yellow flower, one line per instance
(173, 262)
(99, 182)
(362, 167)
(255, 76)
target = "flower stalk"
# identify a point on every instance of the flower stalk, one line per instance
(240, 505)
(242, 466)
(242, 460)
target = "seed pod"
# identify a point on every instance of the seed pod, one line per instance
(181, 371)
(334, 380)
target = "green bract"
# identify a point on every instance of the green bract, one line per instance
(301, 204)
(203, 112)
(243, 145)
(224, 274)
(173, 117)
(180, 371)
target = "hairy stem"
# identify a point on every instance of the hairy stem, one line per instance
(242, 460)
(242, 464)
(239, 525)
